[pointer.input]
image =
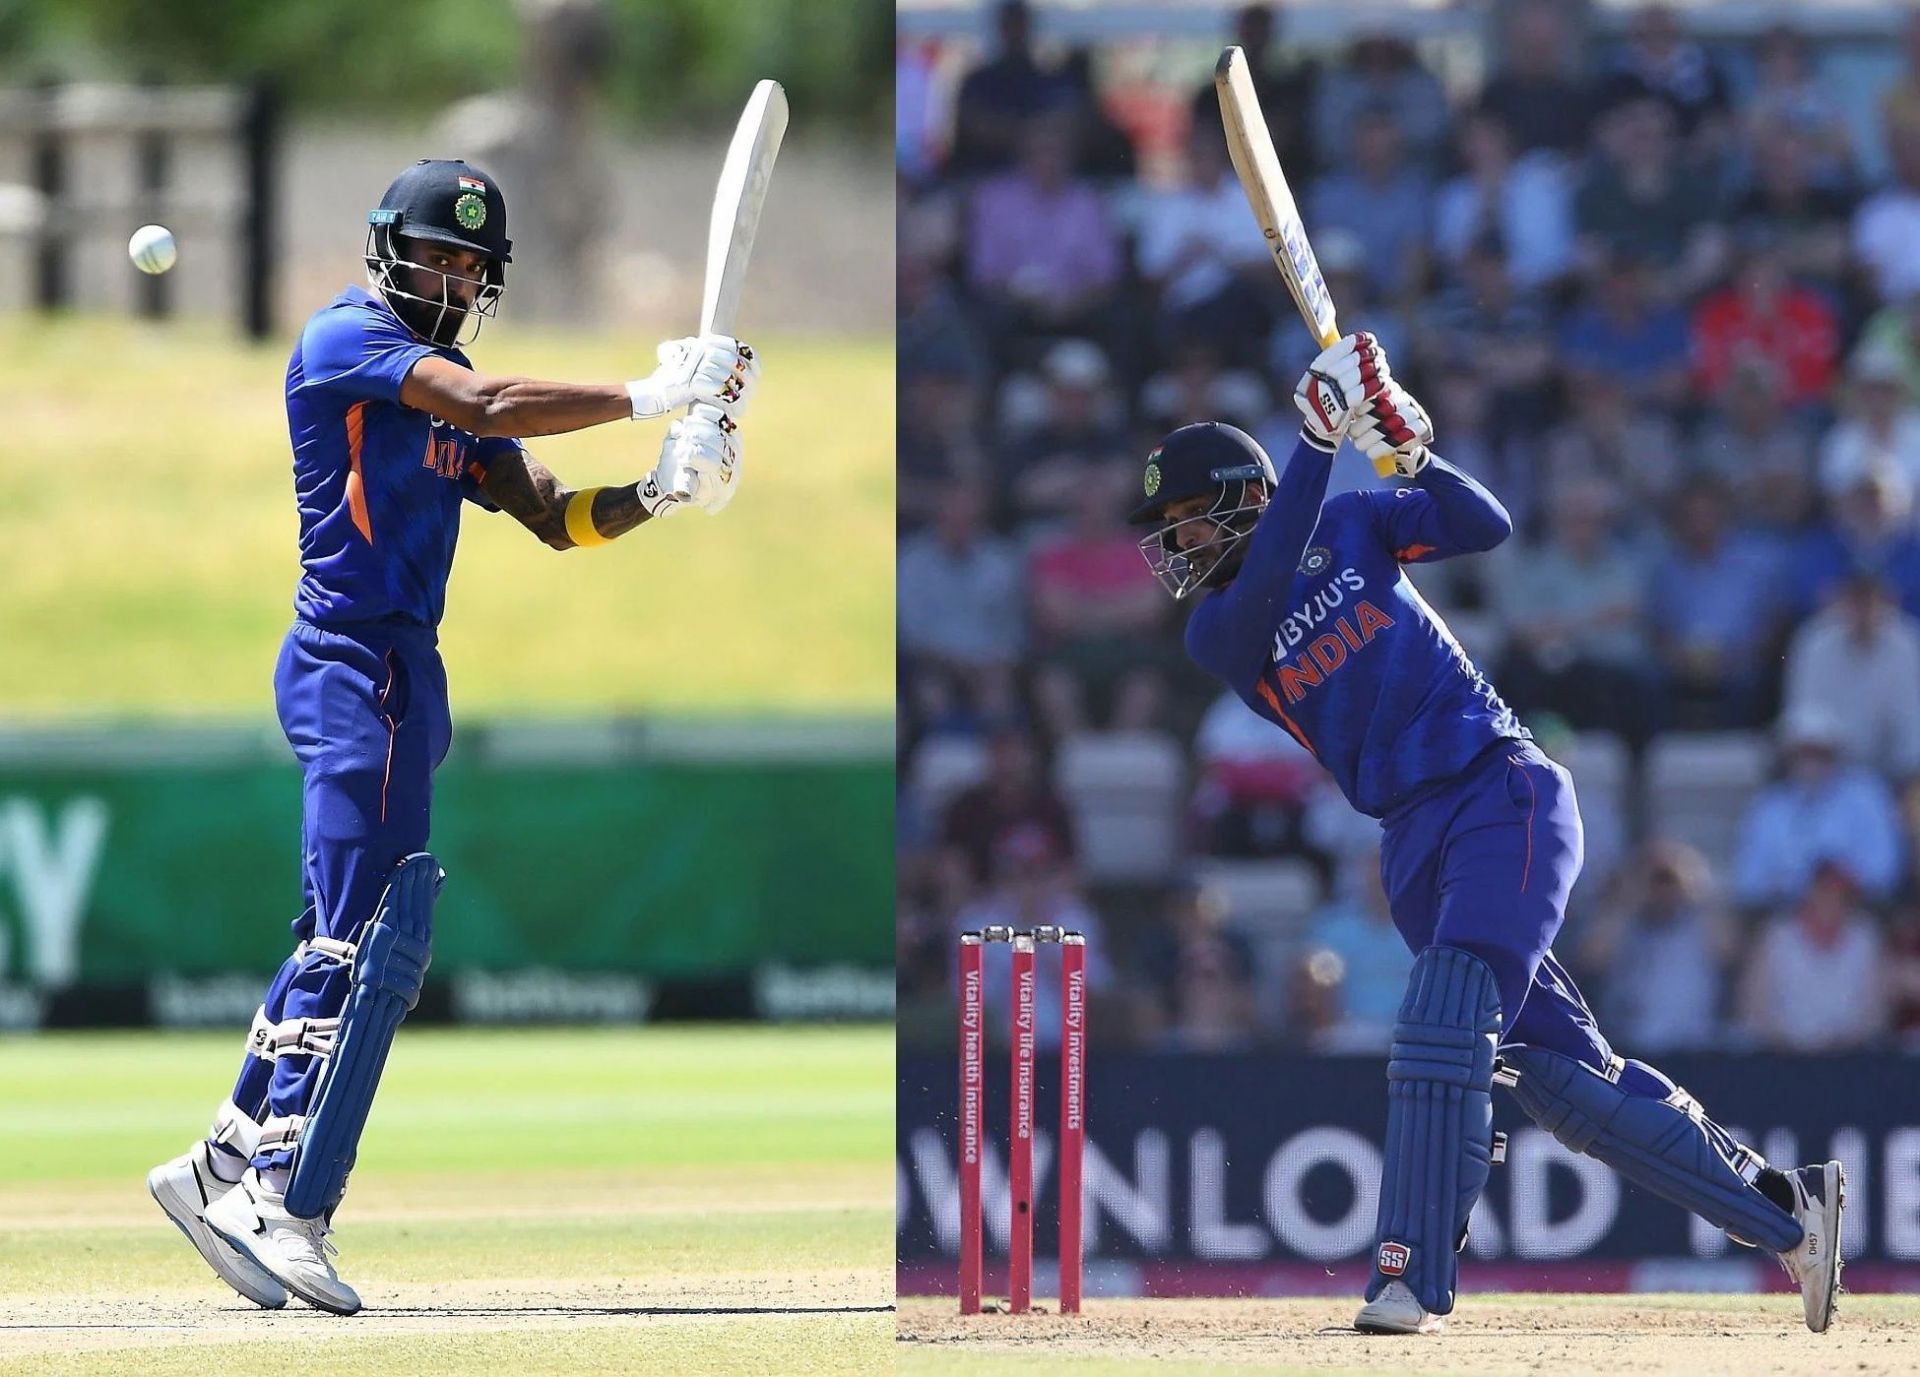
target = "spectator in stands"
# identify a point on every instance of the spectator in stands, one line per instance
(1870, 526)
(999, 96)
(1879, 430)
(1857, 665)
(1789, 102)
(1763, 315)
(1034, 886)
(959, 600)
(1095, 609)
(1902, 966)
(1286, 92)
(1574, 605)
(1713, 610)
(932, 327)
(1641, 199)
(1198, 385)
(1887, 224)
(1357, 928)
(1204, 256)
(1900, 104)
(1661, 945)
(1042, 251)
(1748, 433)
(1202, 974)
(1383, 199)
(1894, 331)
(1481, 321)
(1381, 71)
(1810, 220)
(1252, 785)
(1526, 205)
(936, 436)
(1065, 435)
(1537, 92)
(1816, 982)
(1677, 70)
(1821, 809)
(1015, 797)
(1624, 333)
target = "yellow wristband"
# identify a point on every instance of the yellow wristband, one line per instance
(580, 527)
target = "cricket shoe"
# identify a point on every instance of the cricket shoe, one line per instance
(295, 1251)
(185, 1188)
(1396, 1311)
(1819, 1195)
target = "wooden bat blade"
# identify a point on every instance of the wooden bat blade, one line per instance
(737, 202)
(1251, 146)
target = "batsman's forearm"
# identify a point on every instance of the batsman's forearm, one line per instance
(617, 510)
(521, 408)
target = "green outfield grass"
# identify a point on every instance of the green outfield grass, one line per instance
(552, 1201)
(147, 544)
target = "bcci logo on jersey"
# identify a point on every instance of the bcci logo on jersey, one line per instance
(1316, 560)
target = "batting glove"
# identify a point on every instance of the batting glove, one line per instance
(1393, 430)
(716, 370)
(1337, 384)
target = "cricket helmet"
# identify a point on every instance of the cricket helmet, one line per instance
(441, 201)
(1209, 459)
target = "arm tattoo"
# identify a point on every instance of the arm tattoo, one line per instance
(527, 490)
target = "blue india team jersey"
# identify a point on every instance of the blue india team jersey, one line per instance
(379, 485)
(1322, 633)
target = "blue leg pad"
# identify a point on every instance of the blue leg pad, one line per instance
(1653, 1133)
(1439, 1123)
(389, 967)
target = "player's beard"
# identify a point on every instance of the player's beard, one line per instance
(436, 322)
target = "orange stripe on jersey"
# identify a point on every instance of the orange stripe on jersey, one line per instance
(1413, 552)
(356, 486)
(1293, 728)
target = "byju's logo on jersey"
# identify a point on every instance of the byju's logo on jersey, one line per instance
(1316, 560)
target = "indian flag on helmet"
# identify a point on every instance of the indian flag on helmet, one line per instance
(472, 184)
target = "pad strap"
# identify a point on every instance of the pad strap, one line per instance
(235, 1129)
(306, 1037)
(281, 1131)
(1440, 1142)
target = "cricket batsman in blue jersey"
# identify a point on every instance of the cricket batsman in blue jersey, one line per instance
(1304, 609)
(393, 431)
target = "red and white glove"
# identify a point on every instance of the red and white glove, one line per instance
(1336, 387)
(1393, 430)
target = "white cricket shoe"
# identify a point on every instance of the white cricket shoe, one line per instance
(255, 1221)
(184, 1188)
(1395, 1311)
(1819, 1195)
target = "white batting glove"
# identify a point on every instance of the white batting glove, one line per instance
(715, 369)
(1337, 384)
(701, 457)
(1393, 430)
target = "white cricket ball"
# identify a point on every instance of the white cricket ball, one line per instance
(152, 248)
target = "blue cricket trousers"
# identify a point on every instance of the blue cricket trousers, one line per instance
(1485, 864)
(364, 707)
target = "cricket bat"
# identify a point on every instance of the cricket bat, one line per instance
(1251, 146)
(737, 202)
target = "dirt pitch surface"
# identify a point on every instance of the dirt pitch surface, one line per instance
(1489, 1336)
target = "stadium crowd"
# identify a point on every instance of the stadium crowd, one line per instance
(1651, 296)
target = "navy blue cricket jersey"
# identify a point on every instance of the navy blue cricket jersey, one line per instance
(1322, 633)
(379, 484)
